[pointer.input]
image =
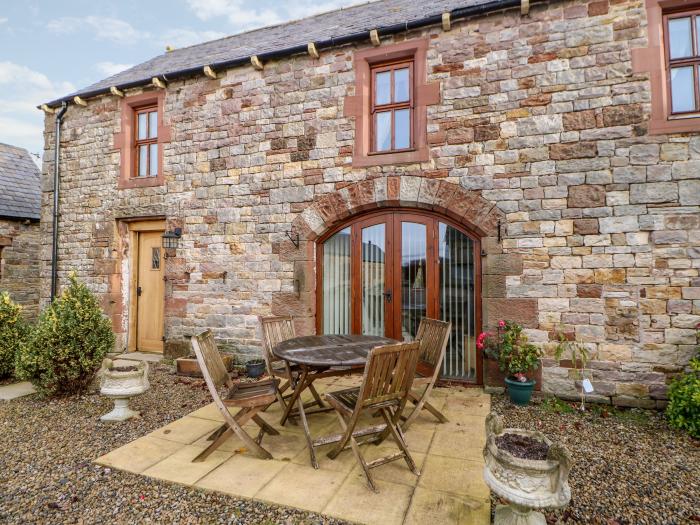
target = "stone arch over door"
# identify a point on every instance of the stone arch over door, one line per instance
(467, 208)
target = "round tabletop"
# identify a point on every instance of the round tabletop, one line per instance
(329, 350)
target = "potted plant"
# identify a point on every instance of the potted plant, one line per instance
(516, 356)
(255, 367)
(526, 469)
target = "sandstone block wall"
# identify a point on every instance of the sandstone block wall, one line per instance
(541, 121)
(19, 259)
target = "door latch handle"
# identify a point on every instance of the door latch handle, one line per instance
(387, 296)
(138, 291)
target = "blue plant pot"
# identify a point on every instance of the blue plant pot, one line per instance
(254, 369)
(520, 393)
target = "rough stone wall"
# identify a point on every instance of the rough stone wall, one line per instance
(541, 116)
(19, 256)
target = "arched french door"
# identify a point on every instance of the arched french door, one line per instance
(380, 273)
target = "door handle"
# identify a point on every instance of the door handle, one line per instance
(387, 296)
(138, 291)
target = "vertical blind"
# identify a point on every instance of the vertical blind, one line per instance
(457, 302)
(413, 277)
(336, 283)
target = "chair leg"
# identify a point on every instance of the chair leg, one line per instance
(217, 432)
(221, 438)
(395, 430)
(342, 444)
(265, 426)
(420, 404)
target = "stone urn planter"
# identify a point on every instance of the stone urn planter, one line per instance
(121, 380)
(525, 483)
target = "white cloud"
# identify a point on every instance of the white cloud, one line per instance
(103, 27)
(21, 90)
(246, 14)
(110, 68)
(187, 37)
(3, 20)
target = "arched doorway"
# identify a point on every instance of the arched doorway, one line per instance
(379, 273)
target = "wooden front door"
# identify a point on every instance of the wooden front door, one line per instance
(150, 292)
(382, 273)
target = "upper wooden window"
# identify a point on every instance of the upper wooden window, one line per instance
(392, 107)
(146, 142)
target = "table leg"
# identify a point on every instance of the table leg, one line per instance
(307, 433)
(298, 384)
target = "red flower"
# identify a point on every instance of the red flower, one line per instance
(480, 340)
(501, 323)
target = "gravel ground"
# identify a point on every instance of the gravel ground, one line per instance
(629, 466)
(47, 474)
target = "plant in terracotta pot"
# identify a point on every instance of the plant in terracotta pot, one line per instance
(516, 356)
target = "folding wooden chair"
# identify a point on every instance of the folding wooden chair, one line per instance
(432, 337)
(385, 387)
(274, 331)
(251, 398)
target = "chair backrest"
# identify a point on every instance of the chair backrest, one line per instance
(432, 337)
(274, 331)
(210, 362)
(389, 374)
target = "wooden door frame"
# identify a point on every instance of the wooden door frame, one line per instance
(135, 227)
(363, 218)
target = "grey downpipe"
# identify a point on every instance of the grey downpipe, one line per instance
(56, 173)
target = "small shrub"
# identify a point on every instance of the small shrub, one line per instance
(683, 410)
(13, 330)
(67, 346)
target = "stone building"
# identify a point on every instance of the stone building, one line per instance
(20, 203)
(359, 169)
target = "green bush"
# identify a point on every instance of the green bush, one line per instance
(13, 330)
(67, 346)
(683, 410)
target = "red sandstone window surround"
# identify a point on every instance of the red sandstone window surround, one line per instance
(673, 63)
(141, 139)
(391, 126)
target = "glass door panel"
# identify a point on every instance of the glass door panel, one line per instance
(414, 277)
(372, 278)
(336, 283)
(457, 302)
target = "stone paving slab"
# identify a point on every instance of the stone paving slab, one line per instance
(15, 390)
(449, 489)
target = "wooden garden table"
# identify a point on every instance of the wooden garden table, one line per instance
(319, 356)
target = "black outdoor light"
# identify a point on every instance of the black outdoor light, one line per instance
(172, 238)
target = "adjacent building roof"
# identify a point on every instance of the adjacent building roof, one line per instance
(326, 30)
(20, 184)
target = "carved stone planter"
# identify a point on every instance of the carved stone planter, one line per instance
(525, 483)
(121, 380)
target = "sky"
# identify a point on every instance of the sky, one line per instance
(49, 48)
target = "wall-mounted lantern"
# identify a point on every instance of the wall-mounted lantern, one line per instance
(171, 239)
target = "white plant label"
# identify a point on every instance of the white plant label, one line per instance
(587, 386)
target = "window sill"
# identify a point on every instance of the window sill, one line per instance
(674, 125)
(140, 182)
(393, 157)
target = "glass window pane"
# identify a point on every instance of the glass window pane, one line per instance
(336, 283)
(152, 124)
(402, 128)
(154, 160)
(143, 160)
(401, 90)
(414, 295)
(682, 89)
(142, 126)
(383, 88)
(372, 271)
(680, 38)
(383, 131)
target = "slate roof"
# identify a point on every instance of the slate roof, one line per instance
(318, 28)
(20, 184)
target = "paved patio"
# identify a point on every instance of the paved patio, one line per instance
(450, 488)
